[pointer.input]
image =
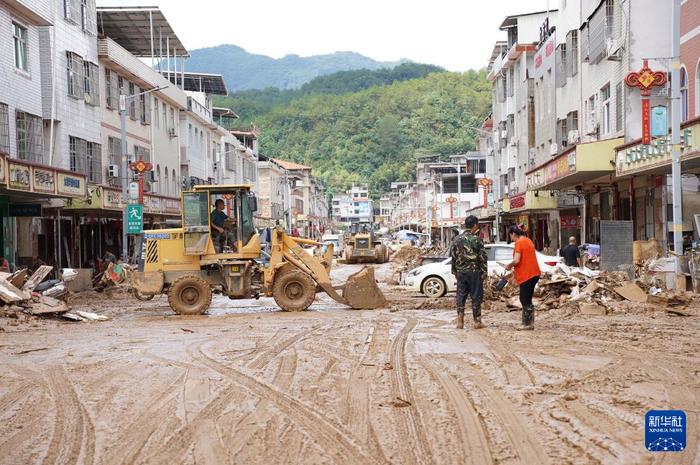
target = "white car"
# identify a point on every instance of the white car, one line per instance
(336, 240)
(436, 279)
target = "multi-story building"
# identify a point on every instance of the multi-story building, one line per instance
(355, 206)
(307, 200)
(273, 193)
(583, 164)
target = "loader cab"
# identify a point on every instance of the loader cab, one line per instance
(239, 204)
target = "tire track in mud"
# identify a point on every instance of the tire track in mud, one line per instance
(132, 440)
(178, 444)
(14, 396)
(265, 357)
(356, 401)
(473, 439)
(73, 436)
(409, 422)
(525, 444)
(332, 438)
(515, 370)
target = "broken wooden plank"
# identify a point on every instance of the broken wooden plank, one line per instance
(18, 278)
(48, 305)
(632, 292)
(10, 294)
(38, 276)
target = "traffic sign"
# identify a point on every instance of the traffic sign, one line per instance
(134, 219)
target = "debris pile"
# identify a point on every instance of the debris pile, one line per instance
(592, 292)
(32, 293)
(24, 295)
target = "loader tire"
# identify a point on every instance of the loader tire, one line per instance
(294, 291)
(189, 295)
(349, 259)
(380, 253)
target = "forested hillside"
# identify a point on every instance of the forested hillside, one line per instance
(250, 104)
(372, 135)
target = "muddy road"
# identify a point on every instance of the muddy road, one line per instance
(252, 385)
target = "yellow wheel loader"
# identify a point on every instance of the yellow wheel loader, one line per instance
(191, 263)
(362, 246)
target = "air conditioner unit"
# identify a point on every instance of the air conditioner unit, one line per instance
(88, 98)
(171, 132)
(553, 148)
(513, 142)
(613, 50)
(573, 137)
(504, 133)
(113, 171)
(595, 128)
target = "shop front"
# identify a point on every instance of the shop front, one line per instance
(581, 180)
(531, 210)
(643, 175)
(33, 229)
(99, 220)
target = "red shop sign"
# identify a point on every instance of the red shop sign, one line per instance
(517, 201)
(569, 222)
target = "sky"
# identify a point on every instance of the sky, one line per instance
(455, 34)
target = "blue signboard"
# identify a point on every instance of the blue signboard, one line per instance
(665, 430)
(659, 121)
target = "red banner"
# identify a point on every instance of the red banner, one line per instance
(646, 123)
(569, 222)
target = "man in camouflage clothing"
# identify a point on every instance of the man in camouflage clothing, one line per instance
(469, 263)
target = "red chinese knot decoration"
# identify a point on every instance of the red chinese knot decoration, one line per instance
(645, 80)
(140, 166)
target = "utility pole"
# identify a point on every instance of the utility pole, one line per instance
(676, 133)
(125, 165)
(125, 176)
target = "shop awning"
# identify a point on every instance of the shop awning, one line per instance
(655, 159)
(577, 165)
(529, 201)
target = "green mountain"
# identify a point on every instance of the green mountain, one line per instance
(374, 135)
(243, 70)
(249, 104)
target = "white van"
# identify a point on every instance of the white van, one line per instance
(336, 240)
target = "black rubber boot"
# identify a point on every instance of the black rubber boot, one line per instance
(460, 319)
(528, 322)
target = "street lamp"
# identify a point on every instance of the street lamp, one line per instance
(125, 164)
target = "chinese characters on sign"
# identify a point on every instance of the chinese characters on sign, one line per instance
(134, 219)
(645, 80)
(665, 431)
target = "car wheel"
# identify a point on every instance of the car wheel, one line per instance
(433, 287)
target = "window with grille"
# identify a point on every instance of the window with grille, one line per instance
(30, 135)
(88, 16)
(94, 162)
(19, 37)
(144, 109)
(133, 108)
(77, 150)
(4, 129)
(572, 53)
(511, 81)
(142, 153)
(71, 10)
(115, 158)
(230, 155)
(156, 113)
(91, 83)
(619, 102)
(561, 57)
(74, 69)
(605, 103)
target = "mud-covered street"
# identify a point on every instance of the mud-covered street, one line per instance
(248, 384)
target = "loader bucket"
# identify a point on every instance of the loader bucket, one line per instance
(361, 290)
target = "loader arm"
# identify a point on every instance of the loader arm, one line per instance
(360, 291)
(295, 254)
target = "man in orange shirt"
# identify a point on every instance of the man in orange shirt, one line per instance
(527, 273)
